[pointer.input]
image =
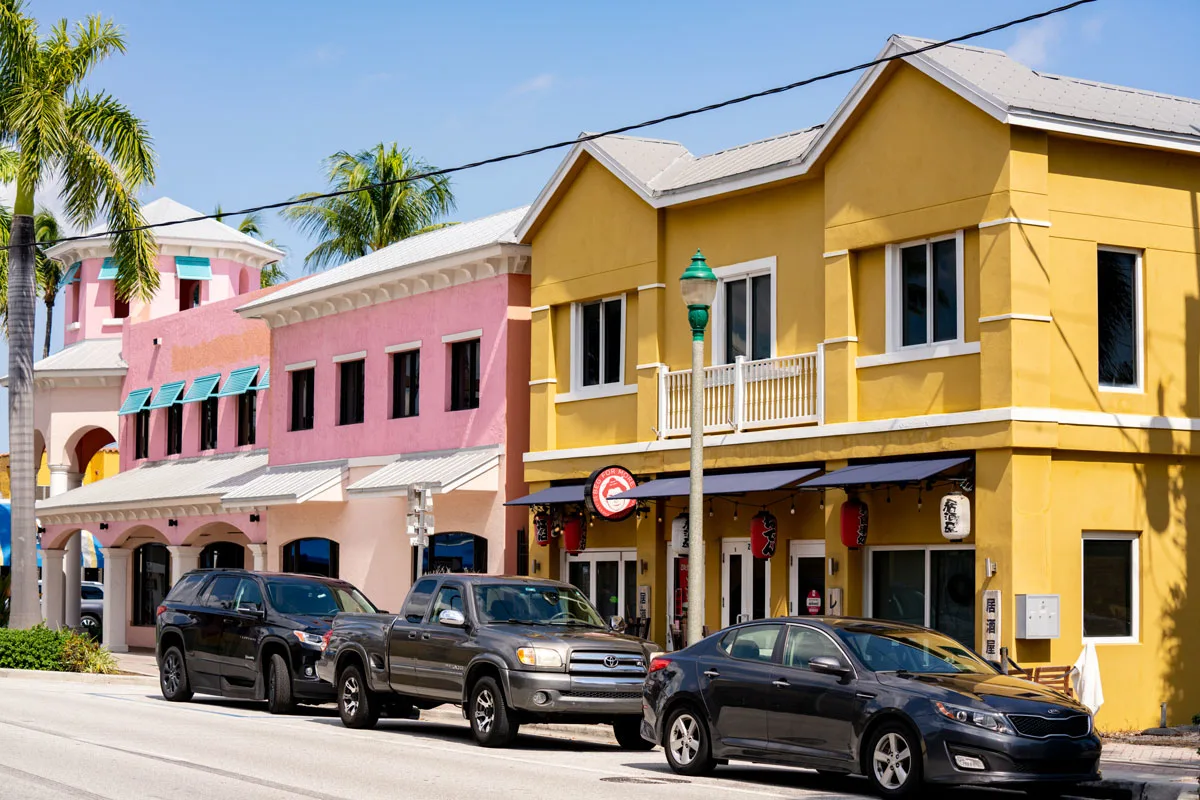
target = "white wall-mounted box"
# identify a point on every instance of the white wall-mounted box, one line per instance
(1037, 616)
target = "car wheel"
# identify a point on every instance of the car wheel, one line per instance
(279, 686)
(91, 626)
(173, 678)
(490, 720)
(894, 761)
(689, 751)
(358, 706)
(628, 732)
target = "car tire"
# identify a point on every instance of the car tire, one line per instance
(279, 686)
(491, 722)
(90, 624)
(893, 760)
(357, 704)
(687, 743)
(628, 732)
(173, 677)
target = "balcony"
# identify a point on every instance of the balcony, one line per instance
(745, 395)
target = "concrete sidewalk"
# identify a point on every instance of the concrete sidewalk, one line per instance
(138, 661)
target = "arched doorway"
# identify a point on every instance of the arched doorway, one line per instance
(151, 581)
(455, 552)
(223, 555)
(315, 556)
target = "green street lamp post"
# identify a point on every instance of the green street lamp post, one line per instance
(698, 285)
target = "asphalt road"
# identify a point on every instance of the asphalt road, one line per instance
(67, 740)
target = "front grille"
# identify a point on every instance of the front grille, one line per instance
(1073, 726)
(1056, 766)
(603, 695)
(604, 664)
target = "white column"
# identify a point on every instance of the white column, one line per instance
(259, 552)
(52, 588)
(72, 574)
(184, 559)
(59, 481)
(116, 598)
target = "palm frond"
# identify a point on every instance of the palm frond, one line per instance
(95, 40)
(117, 132)
(272, 275)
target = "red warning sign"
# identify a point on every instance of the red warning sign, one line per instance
(814, 602)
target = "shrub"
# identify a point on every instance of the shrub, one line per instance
(1196, 719)
(35, 648)
(81, 653)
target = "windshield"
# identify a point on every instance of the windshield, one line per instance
(301, 598)
(886, 649)
(532, 604)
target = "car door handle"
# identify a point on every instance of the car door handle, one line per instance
(781, 683)
(412, 635)
(424, 635)
(865, 695)
(711, 673)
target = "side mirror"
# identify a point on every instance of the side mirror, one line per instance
(828, 665)
(253, 609)
(454, 619)
(617, 623)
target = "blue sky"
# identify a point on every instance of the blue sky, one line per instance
(244, 100)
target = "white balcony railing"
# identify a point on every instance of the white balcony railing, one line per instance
(768, 393)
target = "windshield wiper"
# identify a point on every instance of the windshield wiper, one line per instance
(512, 621)
(580, 623)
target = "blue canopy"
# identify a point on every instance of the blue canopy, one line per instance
(108, 270)
(202, 388)
(135, 402)
(167, 395)
(194, 268)
(884, 472)
(238, 382)
(555, 494)
(724, 483)
(264, 382)
(70, 276)
(89, 549)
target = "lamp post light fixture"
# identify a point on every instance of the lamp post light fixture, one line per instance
(698, 285)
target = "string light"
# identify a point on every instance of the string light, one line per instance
(822, 499)
(735, 512)
(710, 507)
(793, 509)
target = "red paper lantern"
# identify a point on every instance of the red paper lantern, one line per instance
(764, 531)
(541, 527)
(854, 523)
(574, 534)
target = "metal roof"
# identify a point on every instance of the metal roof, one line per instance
(893, 472)
(442, 471)
(160, 481)
(85, 355)
(286, 484)
(726, 483)
(460, 238)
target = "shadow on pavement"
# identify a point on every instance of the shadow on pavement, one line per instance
(461, 733)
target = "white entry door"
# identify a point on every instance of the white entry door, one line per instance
(745, 584)
(608, 578)
(806, 582)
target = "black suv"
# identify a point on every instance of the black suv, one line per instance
(249, 635)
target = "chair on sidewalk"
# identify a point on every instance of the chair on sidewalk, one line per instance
(1056, 678)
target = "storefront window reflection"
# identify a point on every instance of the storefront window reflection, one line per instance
(900, 580)
(311, 557)
(455, 552)
(151, 580)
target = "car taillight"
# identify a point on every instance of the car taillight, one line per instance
(325, 640)
(659, 662)
(158, 611)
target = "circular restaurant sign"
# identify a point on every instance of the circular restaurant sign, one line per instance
(600, 489)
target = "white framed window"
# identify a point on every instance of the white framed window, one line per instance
(928, 585)
(925, 315)
(1110, 587)
(607, 577)
(598, 348)
(1120, 331)
(743, 321)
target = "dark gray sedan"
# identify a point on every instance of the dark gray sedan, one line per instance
(900, 704)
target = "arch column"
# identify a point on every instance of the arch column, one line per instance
(116, 598)
(62, 479)
(52, 588)
(184, 559)
(259, 553)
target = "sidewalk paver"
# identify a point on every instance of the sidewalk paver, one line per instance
(138, 661)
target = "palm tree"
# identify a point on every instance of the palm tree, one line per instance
(352, 225)
(50, 124)
(49, 270)
(251, 225)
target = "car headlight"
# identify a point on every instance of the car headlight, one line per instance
(539, 657)
(309, 639)
(996, 723)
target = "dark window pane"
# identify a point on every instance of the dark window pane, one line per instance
(464, 375)
(406, 377)
(141, 432)
(755, 643)
(302, 399)
(247, 418)
(579, 575)
(608, 596)
(952, 594)
(455, 552)
(912, 295)
(761, 313)
(810, 577)
(759, 587)
(1116, 318)
(223, 555)
(175, 429)
(418, 599)
(221, 593)
(151, 578)
(613, 325)
(311, 557)
(630, 610)
(735, 321)
(1107, 587)
(945, 290)
(351, 377)
(208, 424)
(735, 588)
(898, 586)
(591, 344)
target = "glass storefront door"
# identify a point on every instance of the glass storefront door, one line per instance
(806, 595)
(608, 578)
(931, 586)
(745, 584)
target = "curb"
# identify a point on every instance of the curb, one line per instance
(78, 677)
(1119, 789)
(594, 733)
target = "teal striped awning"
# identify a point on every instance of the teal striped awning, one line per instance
(202, 388)
(168, 394)
(238, 381)
(264, 382)
(135, 402)
(193, 268)
(70, 276)
(108, 270)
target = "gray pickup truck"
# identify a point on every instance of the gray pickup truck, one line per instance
(508, 650)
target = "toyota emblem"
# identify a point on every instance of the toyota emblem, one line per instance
(611, 662)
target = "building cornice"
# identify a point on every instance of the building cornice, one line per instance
(247, 253)
(209, 505)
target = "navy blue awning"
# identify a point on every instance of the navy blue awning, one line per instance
(885, 472)
(555, 494)
(728, 483)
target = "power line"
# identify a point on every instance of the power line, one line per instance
(586, 138)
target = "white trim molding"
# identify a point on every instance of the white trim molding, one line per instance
(543, 381)
(738, 272)
(1025, 317)
(464, 336)
(835, 254)
(652, 365)
(536, 309)
(356, 356)
(604, 390)
(894, 307)
(1139, 319)
(74, 326)
(647, 286)
(1033, 223)
(403, 347)
(113, 322)
(838, 339)
(927, 353)
(299, 365)
(578, 390)
(1135, 577)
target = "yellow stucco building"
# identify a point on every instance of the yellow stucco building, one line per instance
(974, 277)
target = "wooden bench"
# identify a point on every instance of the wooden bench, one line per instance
(1056, 678)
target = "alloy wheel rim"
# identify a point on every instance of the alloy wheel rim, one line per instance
(485, 711)
(171, 673)
(350, 696)
(89, 623)
(892, 761)
(685, 739)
